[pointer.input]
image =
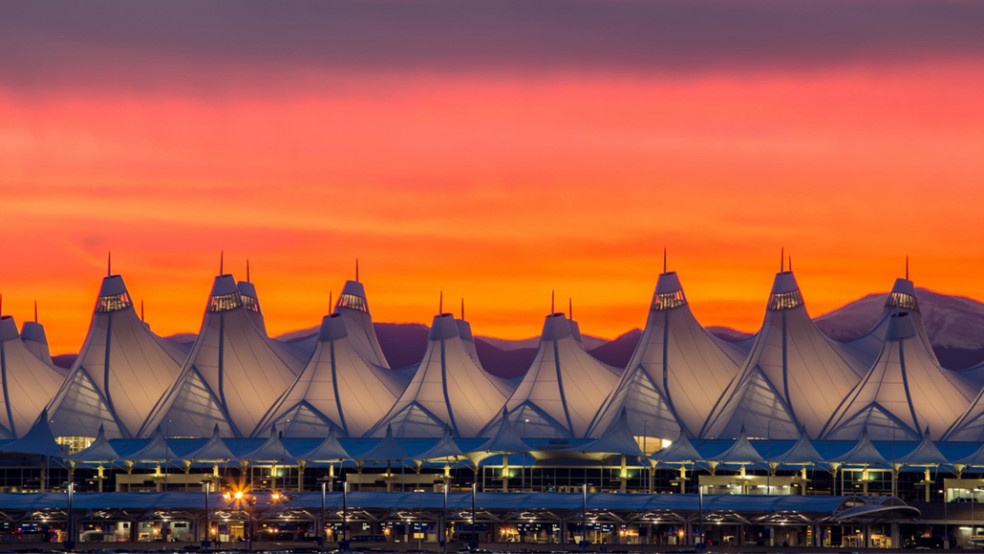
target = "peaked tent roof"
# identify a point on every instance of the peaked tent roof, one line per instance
(863, 453)
(676, 374)
(975, 459)
(563, 389)
(353, 306)
(926, 454)
(120, 373)
(251, 303)
(970, 425)
(99, 451)
(445, 448)
(904, 391)
(215, 450)
(327, 450)
(233, 374)
(803, 452)
(790, 361)
(337, 389)
(504, 437)
(38, 440)
(272, 450)
(618, 439)
(157, 450)
(386, 450)
(679, 451)
(449, 389)
(35, 339)
(27, 381)
(902, 298)
(741, 451)
(465, 332)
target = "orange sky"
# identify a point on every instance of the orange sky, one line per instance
(497, 186)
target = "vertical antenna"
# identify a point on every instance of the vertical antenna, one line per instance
(221, 262)
(247, 270)
(331, 307)
(790, 262)
(109, 263)
(570, 308)
(141, 310)
(664, 259)
(357, 270)
(552, 302)
(440, 303)
(906, 267)
(782, 259)
(462, 309)
(35, 311)
(1, 304)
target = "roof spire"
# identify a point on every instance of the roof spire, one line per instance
(109, 263)
(664, 259)
(552, 310)
(790, 262)
(462, 308)
(357, 270)
(331, 307)
(440, 303)
(141, 310)
(1, 304)
(570, 308)
(782, 258)
(221, 262)
(247, 270)
(906, 267)
(35, 311)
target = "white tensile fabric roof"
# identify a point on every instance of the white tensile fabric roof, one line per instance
(353, 306)
(28, 383)
(233, 374)
(251, 302)
(794, 376)
(676, 374)
(338, 389)
(563, 389)
(904, 392)
(34, 338)
(121, 372)
(449, 389)
(902, 297)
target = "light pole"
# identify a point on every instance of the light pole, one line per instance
(444, 542)
(70, 526)
(206, 542)
(343, 544)
(584, 516)
(522, 484)
(324, 494)
(946, 523)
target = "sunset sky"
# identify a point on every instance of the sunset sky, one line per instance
(493, 150)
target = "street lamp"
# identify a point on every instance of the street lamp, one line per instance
(70, 526)
(522, 483)
(324, 494)
(206, 540)
(946, 523)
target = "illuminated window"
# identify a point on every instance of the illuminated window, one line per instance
(75, 444)
(113, 303)
(785, 300)
(354, 302)
(251, 303)
(669, 300)
(902, 300)
(224, 302)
